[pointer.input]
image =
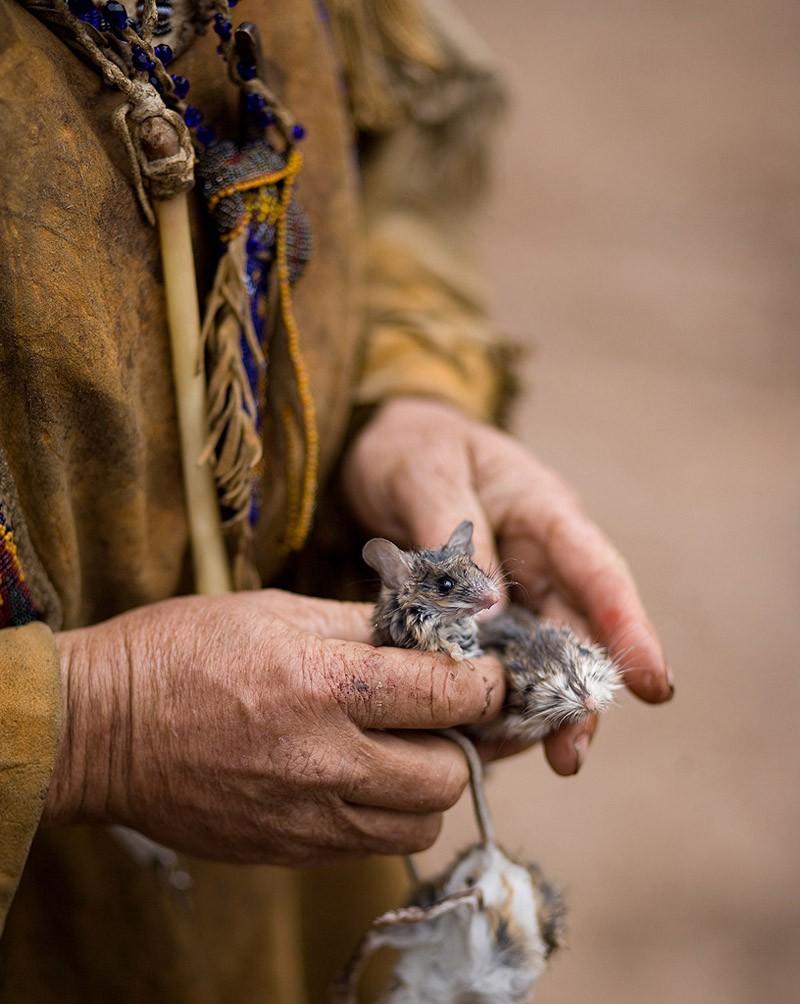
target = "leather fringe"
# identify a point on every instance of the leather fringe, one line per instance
(233, 447)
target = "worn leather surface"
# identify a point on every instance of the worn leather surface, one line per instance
(29, 729)
(87, 426)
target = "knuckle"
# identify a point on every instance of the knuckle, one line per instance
(350, 675)
(318, 676)
(453, 696)
(356, 685)
(351, 773)
(433, 691)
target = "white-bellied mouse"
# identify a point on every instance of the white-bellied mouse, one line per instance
(481, 933)
(429, 600)
(552, 677)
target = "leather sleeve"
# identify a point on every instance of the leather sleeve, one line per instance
(29, 732)
(426, 99)
(30, 702)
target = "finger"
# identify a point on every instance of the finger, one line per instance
(555, 609)
(566, 749)
(433, 505)
(326, 618)
(414, 772)
(499, 749)
(394, 688)
(594, 573)
(385, 831)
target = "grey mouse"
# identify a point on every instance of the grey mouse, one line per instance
(429, 598)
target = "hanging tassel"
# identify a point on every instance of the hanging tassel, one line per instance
(267, 242)
(233, 448)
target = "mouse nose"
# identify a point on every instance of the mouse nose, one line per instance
(488, 598)
(590, 704)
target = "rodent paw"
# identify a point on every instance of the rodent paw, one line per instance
(456, 652)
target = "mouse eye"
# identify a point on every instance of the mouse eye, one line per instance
(444, 584)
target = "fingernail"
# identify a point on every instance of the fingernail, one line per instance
(670, 683)
(581, 746)
(658, 689)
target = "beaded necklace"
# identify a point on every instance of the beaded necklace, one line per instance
(265, 240)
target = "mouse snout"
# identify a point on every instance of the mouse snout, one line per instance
(487, 597)
(590, 703)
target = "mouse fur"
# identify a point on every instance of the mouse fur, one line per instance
(429, 597)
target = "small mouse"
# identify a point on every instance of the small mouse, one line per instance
(429, 598)
(552, 677)
(482, 932)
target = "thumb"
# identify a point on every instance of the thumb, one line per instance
(431, 516)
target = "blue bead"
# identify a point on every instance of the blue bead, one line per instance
(181, 86)
(116, 15)
(155, 82)
(192, 116)
(232, 3)
(141, 60)
(298, 132)
(94, 18)
(164, 53)
(254, 102)
(245, 72)
(206, 135)
(223, 29)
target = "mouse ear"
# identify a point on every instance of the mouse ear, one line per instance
(388, 561)
(461, 538)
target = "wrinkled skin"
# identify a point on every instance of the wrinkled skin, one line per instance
(419, 467)
(246, 727)
(242, 727)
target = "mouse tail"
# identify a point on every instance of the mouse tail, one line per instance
(481, 806)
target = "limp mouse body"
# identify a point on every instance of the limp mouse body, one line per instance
(429, 600)
(482, 933)
(552, 677)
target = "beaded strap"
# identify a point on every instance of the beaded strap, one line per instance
(17, 605)
(258, 221)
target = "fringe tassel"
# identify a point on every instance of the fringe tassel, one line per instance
(233, 447)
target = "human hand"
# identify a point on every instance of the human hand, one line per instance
(420, 467)
(243, 728)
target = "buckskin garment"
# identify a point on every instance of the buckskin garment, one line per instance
(92, 519)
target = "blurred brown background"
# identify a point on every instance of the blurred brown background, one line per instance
(644, 239)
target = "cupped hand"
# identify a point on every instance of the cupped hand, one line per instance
(246, 728)
(419, 467)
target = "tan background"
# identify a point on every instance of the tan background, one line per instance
(644, 236)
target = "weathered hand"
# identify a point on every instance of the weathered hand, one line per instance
(419, 467)
(244, 728)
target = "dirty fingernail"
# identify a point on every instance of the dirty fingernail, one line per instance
(659, 690)
(581, 746)
(670, 683)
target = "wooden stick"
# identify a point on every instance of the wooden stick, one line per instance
(211, 569)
